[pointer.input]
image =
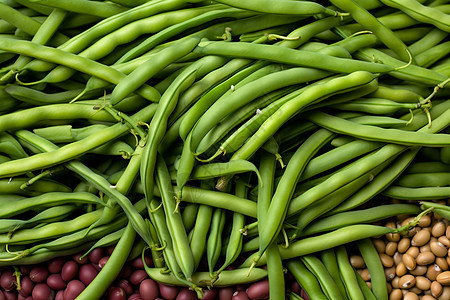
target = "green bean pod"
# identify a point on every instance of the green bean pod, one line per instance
(306, 279)
(214, 241)
(348, 274)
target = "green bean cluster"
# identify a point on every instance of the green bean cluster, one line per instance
(221, 134)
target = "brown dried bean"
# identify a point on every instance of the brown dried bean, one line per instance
(386, 260)
(390, 273)
(400, 269)
(395, 281)
(425, 248)
(419, 270)
(379, 245)
(403, 245)
(443, 278)
(357, 261)
(410, 296)
(392, 237)
(427, 297)
(421, 238)
(433, 271)
(389, 287)
(444, 241)
(413, 251)
(442, 263)
(390, 249)
(425, 221)
(425, 258)
(407, 281)
(438, 249)
(423, 283)
(447, 232)
(415, 290)
(445, 293)
(438, 229)
(396, 294)
(409, 261)
(365, 274)
(436, 289)
(397, 257)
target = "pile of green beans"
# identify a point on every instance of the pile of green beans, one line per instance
(222, 134)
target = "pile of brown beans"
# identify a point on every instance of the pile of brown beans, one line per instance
(416, 265)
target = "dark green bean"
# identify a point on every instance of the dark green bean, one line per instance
(306, 279)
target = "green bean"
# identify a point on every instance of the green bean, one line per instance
(379, 183)
(55, 229)
(149, 68)
(422, 13)
(398, 94)
(200, 231)
(422, 193)
(189, 216)
(48, 215)
(158, 127)
(109, 272)
(103, 10)
(423, 179)
(306, 279)
(47, 199)
(287, 7)
(373, 133)
(432, 55)
(431, 39)
(289, 56)
(382, 32)
(348, 274)
(9, 145)
(376, 106)
(67, 152)
(227, 278)
(214, 241)
(280, 201)
(107, 240)
(174, 221)
(329, 259)
(426, 167)
(376, 269)
(322, 274)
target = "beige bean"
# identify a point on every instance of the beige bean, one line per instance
(433, 271)
(425, 248)
(421, 238)
(369, 284)
(436, 289)
(425, 221)
(409, 261)
(392, 237)
(405, 221)
(444, 278)
(390, 273)
(447, 232)
(427, 297)
(419, 270)
(403, 245)
(407, 281)
(447, 258)
(400, 269)
(415, 290)
(397, 257)
(357, 261)
(410, 296)
(445, 293)
(413, 251)
(396, 294)
(365, 274)
(390, 249)
(442, 263)
(438, 249)
(413, 231)
(425, 258)
(380, 245)
(437, 216)
(395, 281)
(438, 229)
(423, 283)
(386, 260)
(389, 287)
(444, 240)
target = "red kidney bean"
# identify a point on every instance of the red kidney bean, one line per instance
(10, 295)
(226, 293)
(241, 287)
(186, 294)
(55, 281)
(87, 273)
(240, 295)
(135, 296)
(8, 280)
(137, 276)
(69, 270)
(20, 297)
(41, 291)
(2, 296)
(168, 292)
(96, 254)
(210, 294)
(59, 295)
(79, 259)
(259, 290)
(24, 269)
(304, 295)
(116, 293)
(38, 274)
(148, 289)
(102, 261)
(26, 286)
(126, 285)
(74, 288)
(295, 287)
(55, 265)
(126, 271)
(138, 264)
(110, 249)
